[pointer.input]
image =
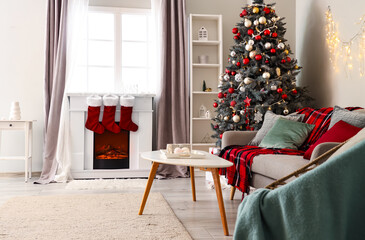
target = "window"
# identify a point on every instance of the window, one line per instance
(117, 54)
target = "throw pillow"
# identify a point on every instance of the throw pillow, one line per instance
(269, 121)
(340, 132)
(286, 134)
(359, 137)
(354, 118)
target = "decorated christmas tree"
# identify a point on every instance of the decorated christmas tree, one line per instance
(260, 76)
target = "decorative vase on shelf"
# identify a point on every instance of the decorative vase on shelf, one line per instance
(14, 111)
(202, 111)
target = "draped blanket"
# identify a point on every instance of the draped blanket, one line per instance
(325, 203)
(242, 156)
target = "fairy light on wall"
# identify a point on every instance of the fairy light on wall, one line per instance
(343, 50)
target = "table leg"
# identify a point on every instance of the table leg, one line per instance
(148, 186)
(192, 179)
(233, 190)
(26, 170)
(30, 148)
(218, 189)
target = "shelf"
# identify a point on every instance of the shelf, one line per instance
(205, 93)
(203, 144)
(206, 65)
(201, 119)
(206, 43)
(13, 158)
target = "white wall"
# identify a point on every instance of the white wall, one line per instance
(22, 27)
(328, 87)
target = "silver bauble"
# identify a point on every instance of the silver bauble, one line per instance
(233, 62)
(286, 111)
(238, 77)
(256, 22)
(262, 20)
(226, 118)
(273, 87)
(248, 47)
(242, 89)
(267, 45)
(266, 75)
(236, 118)
(251, 42)
(252, 54)
(242, 112)
(226, 77)
(233, 53)
(247, 80)
(281, 45)
(248, 23)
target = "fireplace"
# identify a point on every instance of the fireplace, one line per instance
(111, 150)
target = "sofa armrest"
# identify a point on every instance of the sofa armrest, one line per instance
(322, 148)
(237, 138)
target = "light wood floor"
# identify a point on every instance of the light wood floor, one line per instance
(201, 218)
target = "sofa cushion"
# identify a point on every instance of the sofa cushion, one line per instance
(277, 166)
(340, 132)
(269, 121)
(286, 134)
(354, 118)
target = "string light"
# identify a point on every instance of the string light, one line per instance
(339, 49)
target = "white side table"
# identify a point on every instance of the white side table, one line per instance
(27, 126)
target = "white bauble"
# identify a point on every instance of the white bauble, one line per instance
(262, 20)
(267, 45)
(233, 62)
(256, 22)
(247, 80)
(251, 42)
(248, 23)
(286, 111)
(226, 118)
(281, 45)
(273, 87)
(248, 47)
(236, 118)
(242, 89)
(233, 53)
(242, 112)
(238, 77)
(252, 54)
(220, 78)
(226, 77)
(266, 75)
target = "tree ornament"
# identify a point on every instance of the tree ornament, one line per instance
(267, 45)
(266, 61)
(294, 91)
(272, 50)
(238, 64)
(284, 96)
(282, 61)
(220, 78)
(225, 95)
(258, 37)
(238, 77)
(288, 59)
(247, 101)
(233, 103)
(244, 12)
(258, 116)
(231, 90)
(267, 10)
(255, 10)
(226, 118)
(296, 66)
(273, 87)
(242, 89)
(233, 73)
(233, 62)
(238, 34)
(256, 22)
(252, 54)
(248, 23)
(280, 90)
(250, 32)
(216, 126)
(236, 118)
(247, 80)
(242, 112)
(266, 75)
(258, 57)
(220, 95)
(235, 30)
(233, 54)
(278, 72)
(286, 111)
(262, 20)
(236, 37)
(221, 135)
(215, 104)
(226, 77)
(274, 35)
(267, 32)
(248, 47)
(251, 42)
(246, 61)
(286, 51)
(227, 71)
(281, 45)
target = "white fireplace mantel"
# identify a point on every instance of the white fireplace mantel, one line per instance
(82, 139)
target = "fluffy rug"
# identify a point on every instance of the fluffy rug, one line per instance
(100, 216)
(119, 184)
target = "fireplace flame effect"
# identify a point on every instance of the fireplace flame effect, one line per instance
(109, 151)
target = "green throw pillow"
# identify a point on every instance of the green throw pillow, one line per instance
(286, 134)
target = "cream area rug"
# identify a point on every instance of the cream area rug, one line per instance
(97, 184)
(94, 216)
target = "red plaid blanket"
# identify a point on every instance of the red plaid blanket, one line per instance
(241, 156)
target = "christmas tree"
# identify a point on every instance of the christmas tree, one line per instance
(260, 75)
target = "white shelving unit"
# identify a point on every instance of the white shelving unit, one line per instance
(200, 129)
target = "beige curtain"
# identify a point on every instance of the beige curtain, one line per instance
(173, 104)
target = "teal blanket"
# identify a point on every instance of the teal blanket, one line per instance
(325, 203)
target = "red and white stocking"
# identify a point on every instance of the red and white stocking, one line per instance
(110, 105)
(93, 111)
(126, 123)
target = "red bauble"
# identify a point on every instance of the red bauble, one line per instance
(238, 34)
(220, 95)
(294, 91)
(216, 126)
(274, 34)
(215, 104)
(233, 73)
(233, 103)
(272, 50)
(267, 10)
(282, 61)
(246, 61)
(244, 12)
(238, 64)
(227, 71)
(279, 90)
(258, 37)
(258, 57)
(266, 61)
(288, 59)
(225, 95)
(284, 96)
(241, 15)
(247, 127)
(231, 90)
(252, 128)
(221, 135)
(267, 32)
(235, 30)
(235, 37)
(250, 32)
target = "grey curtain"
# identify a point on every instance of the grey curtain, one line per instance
(54, 83)
(173, 105)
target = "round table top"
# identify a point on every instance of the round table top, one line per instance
(210, 160)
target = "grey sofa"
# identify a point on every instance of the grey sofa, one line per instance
(268, 168)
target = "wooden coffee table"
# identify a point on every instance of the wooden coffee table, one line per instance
(209, 163)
